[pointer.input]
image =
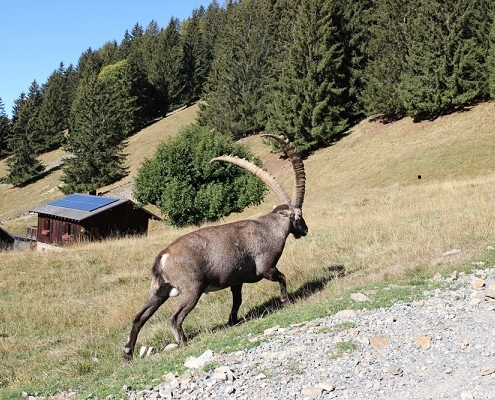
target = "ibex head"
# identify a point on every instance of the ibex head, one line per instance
(291, 208)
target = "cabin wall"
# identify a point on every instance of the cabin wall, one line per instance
(23, 244)
(52, 230)
(122, 220)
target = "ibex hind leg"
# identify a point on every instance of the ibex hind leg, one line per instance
(187, 302)
(276, 276)
(159, 293)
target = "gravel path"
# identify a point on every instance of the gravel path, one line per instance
(442, 347)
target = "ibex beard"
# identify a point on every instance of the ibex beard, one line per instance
(228, 255)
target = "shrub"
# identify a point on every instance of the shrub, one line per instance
(187, 188)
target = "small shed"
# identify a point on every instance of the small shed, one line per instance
(6, 240)
(80, 217)
(12, 241)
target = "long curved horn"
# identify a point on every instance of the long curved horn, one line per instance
(260, 173)
(297, 166)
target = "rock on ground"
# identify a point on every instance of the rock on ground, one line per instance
(442, 347)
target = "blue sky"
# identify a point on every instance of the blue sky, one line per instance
(36, 35)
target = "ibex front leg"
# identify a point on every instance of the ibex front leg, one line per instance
(276, 276)
(236, 304)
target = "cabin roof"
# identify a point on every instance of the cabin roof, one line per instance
(79, 207)
(6, 233)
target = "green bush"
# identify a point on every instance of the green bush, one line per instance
(187, 188)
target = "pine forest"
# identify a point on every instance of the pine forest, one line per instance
(306, 69)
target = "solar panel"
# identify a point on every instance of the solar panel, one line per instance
(82, 202)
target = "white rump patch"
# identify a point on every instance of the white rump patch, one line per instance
(164, 260)
(173, 290)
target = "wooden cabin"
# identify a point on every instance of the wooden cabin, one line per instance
(11, 241)
(80, 217)
(6, 240)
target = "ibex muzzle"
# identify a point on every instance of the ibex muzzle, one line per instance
(228, 255)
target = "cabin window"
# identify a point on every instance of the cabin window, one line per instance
(66, 231)
(67, 228)
(47, 227)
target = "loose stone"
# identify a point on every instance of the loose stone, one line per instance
(439, 347)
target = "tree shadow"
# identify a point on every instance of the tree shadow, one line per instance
(429, 115)
(453, 109)
(37, 177)
(387, 118)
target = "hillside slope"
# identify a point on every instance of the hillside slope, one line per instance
(368, 215)
(372, 155)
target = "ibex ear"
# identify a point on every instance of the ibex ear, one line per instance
(284, 210)
(285, 213)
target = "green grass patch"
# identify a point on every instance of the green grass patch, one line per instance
(342, 327)
(342, 348)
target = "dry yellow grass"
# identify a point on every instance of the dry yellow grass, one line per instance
(366, 209)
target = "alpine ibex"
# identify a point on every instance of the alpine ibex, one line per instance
(228, 255)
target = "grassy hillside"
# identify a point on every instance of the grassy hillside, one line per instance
(65, 316)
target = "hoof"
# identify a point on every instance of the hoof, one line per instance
(127, 355)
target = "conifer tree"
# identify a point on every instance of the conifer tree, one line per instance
(72, 80)
(211, 27)
(22, 163)
(125, 45)
(136, 33)
(134, 43)
(236, 93)
(142, 93)
(386, 58)
(470, 68)
(4, 130)
(309, 107)
(89, 62)
(31, 111)
(115, 80)
(95, 140)
(285, 13)
(195, 56)
(491, 56)
(109, 53)
(353, 20)
(148, 45)
(166, 73)
(54, 111)
(26, 118)
(446, 55)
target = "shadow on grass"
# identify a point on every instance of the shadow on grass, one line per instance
(274, 304)
(305, 291)
(34, 179)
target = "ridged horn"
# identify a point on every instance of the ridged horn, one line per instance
(297, 166)
(260, 173)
